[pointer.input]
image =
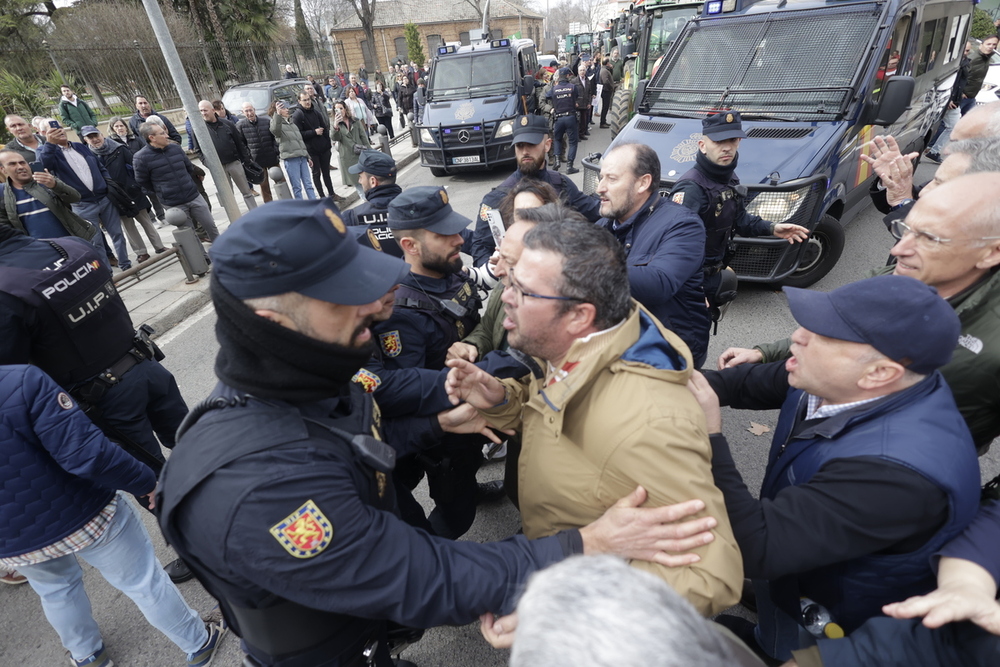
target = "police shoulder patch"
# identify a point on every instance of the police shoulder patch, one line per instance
(677, 198)
(392, 345)
(484, 212)
(368, 380)
(304, 533)
(65, 402)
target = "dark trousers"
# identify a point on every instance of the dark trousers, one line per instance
(157, 206)
(967, 104)
(321, 167)
(387, 121)
(567, 125)
(583, 120)
(606, 93)
(146, 407)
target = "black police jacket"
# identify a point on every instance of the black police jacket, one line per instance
(374, 213)
(281, 516)
(483, 244)
(59, 309)
(564, 98)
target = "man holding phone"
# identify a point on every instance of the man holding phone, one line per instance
(37, 203)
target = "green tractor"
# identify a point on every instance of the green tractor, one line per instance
(643, 36)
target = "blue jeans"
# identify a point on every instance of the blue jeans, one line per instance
(104, 213)
(299, 177)
(967, 104)
(569, 126)
(124, 557)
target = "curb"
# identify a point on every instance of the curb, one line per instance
(181, 309)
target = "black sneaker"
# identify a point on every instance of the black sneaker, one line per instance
(178, 571)
(490, 492)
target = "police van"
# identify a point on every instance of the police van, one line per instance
(474, 94)
(815, 81)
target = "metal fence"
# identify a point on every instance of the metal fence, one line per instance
(113, 75)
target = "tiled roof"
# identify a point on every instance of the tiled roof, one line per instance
(401, 12)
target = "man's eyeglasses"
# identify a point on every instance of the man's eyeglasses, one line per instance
(511, 284)
(899, 229)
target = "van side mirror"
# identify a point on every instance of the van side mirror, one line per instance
(528, 85)
(897, 92)
(633, 23)
(640, 93)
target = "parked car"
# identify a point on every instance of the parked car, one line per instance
(261, 94)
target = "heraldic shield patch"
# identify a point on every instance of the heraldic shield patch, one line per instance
(391, 343)
(305, 532)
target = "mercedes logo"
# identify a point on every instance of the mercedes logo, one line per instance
(464, 136)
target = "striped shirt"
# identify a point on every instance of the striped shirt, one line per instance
(70, 544)
(36, 217)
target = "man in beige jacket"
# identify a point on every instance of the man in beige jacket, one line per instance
(612, 409)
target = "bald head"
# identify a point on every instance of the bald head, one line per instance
(982, 121)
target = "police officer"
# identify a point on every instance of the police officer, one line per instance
(436, 305)
(531, 144)
(377, 177)
(713, 191)
(564, 98)
(60, 311)
(279, 494)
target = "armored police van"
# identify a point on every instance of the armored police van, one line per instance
(474, 93)
(815, 81)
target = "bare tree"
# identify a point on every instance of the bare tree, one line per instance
(323, 14)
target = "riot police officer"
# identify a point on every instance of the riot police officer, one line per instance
(60, 311)
(531, 145)
(279, 491)
(377, 177)
(567, 121)
(713, 191)
(436, 305)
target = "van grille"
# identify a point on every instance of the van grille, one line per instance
(778, 132)
(654, 126)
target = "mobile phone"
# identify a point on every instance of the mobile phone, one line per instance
(37, 167)
(54, 124)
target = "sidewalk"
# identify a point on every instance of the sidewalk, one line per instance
(164, 299)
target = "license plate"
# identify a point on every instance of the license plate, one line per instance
(467, 159)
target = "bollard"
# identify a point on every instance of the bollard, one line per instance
(280, 184)
(414, 132)
(382, 136)
(192, 251)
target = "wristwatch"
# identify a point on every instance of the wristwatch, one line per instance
(905, 202)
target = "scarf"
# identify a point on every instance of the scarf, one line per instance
(716, 172)
(265, 359)
(106, 148)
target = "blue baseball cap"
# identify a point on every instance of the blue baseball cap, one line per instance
(375, 163)
(301, 246)
(88, 129)
(425, 207)
(531, 129)
(901, 317)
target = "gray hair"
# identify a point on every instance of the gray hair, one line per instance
(985, 153)
(548, 213)
(596, 611)
(146, 128)
(593, 267)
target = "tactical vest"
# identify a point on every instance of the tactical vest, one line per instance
(918, 420)
(273, 625)
(76, 297)
(725, 205)
(562, 99)
(456, 313)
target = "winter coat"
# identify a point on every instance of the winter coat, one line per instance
(167, 172)
(76, 115)
(289, 138)
(52, 158)
(308, 121)
(59, 470)
(229, 143)
(261, 142)
(621, 416)
(136, 120)
(349, 138)
(58, 199)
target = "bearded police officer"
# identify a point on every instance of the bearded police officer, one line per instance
(377, 177)
(279, 492)
(712, 190)
(531, 144)
(60, 311)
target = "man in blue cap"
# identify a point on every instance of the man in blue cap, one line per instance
(871, 470)
(279, 493)
(713, 191)
(532, 143)
(377, 177)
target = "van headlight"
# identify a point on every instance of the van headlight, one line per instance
(505, 128)
(778, 206)
(425, 136)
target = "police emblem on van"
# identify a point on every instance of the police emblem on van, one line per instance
(465, 111)
(686, 150)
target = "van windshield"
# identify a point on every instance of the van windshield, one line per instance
(475, 75)
(770, 65)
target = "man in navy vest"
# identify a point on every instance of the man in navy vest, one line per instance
(871, 470)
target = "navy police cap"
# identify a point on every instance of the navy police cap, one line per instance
(375, 163)
(722, 126)
(529, 129)
(302, 246)
(425, 207)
